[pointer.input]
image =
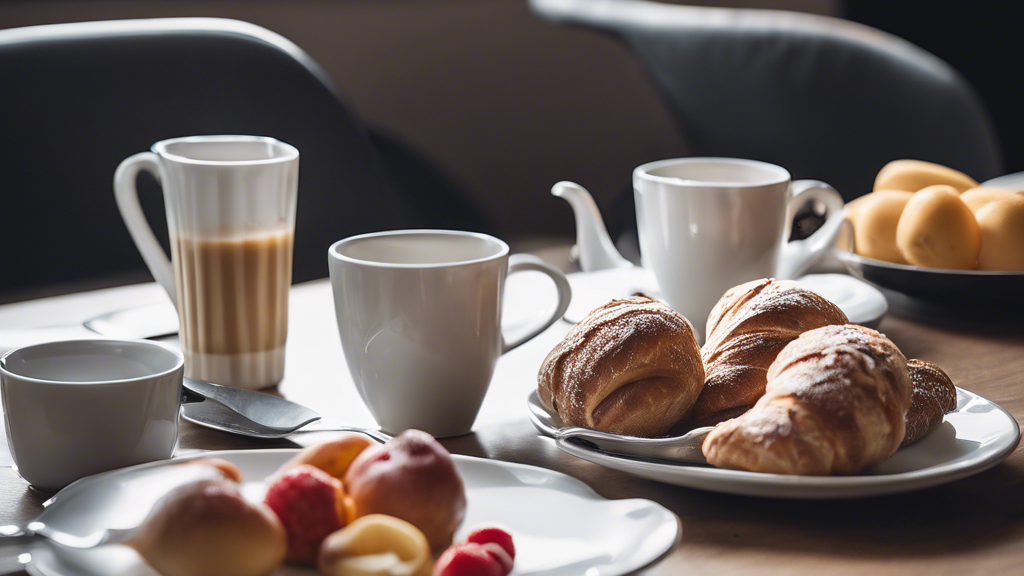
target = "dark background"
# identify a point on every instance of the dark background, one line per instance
(505, 104)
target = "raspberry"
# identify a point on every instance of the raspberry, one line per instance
(485, 534)
(471, 559)
(309, 503)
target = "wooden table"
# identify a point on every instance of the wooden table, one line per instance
(972, 526)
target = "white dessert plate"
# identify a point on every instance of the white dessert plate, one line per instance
(561, 527)
(975, 437)
(862, 303)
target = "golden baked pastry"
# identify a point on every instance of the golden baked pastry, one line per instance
(746, 330)
(934, 396)
(913, 175)
(631, 366)
(834, 404)
(938, 230)
(1002, 234)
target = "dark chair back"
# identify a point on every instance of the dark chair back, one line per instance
(76, 99)
(823, 97)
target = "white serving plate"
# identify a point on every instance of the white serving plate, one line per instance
(976, 436)
(561, 527)
(862, 303)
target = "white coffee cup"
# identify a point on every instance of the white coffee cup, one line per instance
(708, 224)
(419, 313)
(231, 216)
(81, 407)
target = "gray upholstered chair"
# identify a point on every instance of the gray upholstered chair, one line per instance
(823, 97)
(76, 99)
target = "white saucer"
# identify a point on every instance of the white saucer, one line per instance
(561, 527)
(862, 303)
(978, 435)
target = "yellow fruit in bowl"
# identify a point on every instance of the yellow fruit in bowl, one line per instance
(914, 175)
(1002, 234)
(938, 230)
(877, 216)
(978, 198)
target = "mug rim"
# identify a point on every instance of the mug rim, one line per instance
(288, 152)
(179, 362)
(643, 172)
(333, 251)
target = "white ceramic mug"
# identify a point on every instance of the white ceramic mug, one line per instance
(419, 313)
(81, 407)
(231, 216)
(708, 224)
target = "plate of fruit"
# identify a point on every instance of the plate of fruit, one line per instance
(344, 507)
(934, 233)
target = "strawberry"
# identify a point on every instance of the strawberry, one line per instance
(485, 534)
(309, 503)
(470, 559)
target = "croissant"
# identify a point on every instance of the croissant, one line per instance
(746, 330)
(631, 366)
(934, 395)
(835, 403)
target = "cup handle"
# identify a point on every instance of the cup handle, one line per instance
(797, 256)
(523, 262)
(127, 196)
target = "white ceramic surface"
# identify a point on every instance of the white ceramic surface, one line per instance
(1014, 181)
(708, 224)
(222, 189)
(419, 314)
(76, 408)
(974, 438)
(560, 526)
(862, 303)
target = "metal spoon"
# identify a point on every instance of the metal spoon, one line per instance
(685, 448)
(255, 414)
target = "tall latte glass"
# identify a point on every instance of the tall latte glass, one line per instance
(231, 217)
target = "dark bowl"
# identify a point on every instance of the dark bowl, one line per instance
(960, 288)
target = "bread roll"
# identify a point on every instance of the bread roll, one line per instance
(875, 229)
(938, 230)
(934, 396)
(631, 366)
(978, 198)
(746, 330)
(835, 403)
(913, 175)
(1002, 234)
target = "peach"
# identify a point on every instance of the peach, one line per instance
(333, 456)
(414, 478)
(376, 545)
(207, 527)
(229, 470)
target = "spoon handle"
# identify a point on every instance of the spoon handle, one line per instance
(327, 426)
(686, 448)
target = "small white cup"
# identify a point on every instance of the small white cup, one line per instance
(708, 224)
(419, 313)
(81, 407)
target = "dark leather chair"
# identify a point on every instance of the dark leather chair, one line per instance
(76, 99)
(823, 97)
